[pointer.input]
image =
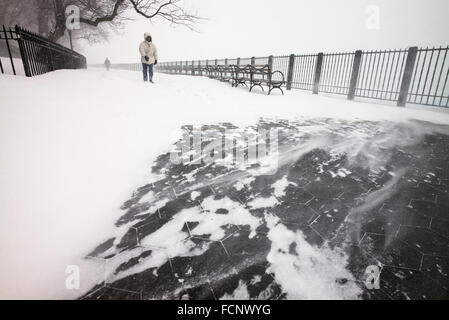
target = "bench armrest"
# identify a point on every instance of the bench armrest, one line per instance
(279, 75)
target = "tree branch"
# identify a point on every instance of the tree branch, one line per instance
(168, 10)
(106, 18)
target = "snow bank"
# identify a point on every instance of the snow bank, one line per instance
(75, 144)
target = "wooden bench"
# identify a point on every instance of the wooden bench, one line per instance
(196, 70)
(226, 73)
(257, 76)
(200, 70)
(186, 69)
(263, 75)
(213, 71)
(254, 75)
(241, 74)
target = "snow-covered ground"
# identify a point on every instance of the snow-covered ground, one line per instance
(75, 144)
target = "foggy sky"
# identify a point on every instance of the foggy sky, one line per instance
(261, 27)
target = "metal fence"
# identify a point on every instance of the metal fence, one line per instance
(414, 75)
(38, 55)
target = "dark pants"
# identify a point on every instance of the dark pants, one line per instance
(147, 68)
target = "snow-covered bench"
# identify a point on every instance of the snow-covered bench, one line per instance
(213, 71)
(199, 70)
(257, 76)
(226, 73)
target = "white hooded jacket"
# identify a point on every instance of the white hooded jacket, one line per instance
(148, 49)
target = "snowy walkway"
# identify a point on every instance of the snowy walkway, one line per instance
(69, 161)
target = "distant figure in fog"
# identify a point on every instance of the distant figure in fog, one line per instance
(148, 52)
(107, 64)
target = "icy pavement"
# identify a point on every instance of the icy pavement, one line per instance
(347, 195)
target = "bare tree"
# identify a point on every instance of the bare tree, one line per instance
(169, 10)
(48, 17)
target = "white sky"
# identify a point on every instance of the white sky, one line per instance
(262, 27)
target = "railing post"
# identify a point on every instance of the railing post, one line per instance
(9, 51)
(193, 67)
(407, 76)
(226, 61)
(291, 64)
(354, 74)
(253, 61)
(216, 61)
(23, 53)
(270, 62)
(318, 68)
(238, 61)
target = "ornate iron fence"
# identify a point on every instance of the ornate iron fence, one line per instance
(38, 55)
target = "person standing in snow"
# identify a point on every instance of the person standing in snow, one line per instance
(107, 64)
(148, 51)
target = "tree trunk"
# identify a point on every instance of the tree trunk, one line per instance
(60, 19)
(43, 17)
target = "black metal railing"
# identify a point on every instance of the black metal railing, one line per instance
(429, 83)
(9, 49)
(38, 55)
(413, 75)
